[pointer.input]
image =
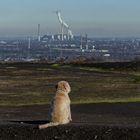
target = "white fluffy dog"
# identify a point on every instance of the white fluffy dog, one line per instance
(60, 108)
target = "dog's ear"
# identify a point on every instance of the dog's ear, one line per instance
(56, 86)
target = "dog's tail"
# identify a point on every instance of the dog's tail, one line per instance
(43, 126)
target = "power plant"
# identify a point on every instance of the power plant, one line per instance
(66, 45)
(64, 25)
(65, 38)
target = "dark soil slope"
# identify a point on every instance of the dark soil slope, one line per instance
(69, 132)
(120, 121)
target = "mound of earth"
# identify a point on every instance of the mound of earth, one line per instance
(120, 121)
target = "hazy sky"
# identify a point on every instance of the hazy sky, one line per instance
(98, 18)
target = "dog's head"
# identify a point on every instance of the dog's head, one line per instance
(64, 86)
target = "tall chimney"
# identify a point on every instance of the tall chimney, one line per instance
(86, 42)
(38, 32)
(81, 45)
(29, 43)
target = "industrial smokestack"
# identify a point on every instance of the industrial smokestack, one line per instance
(62, 32)
(81, 45)
(86, 42)
(29, 43)
(63, 25)
(38, 32)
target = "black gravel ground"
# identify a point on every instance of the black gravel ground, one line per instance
(120, 121)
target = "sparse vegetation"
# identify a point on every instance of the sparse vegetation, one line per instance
(34, 83)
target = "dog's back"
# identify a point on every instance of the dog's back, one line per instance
(60, 108)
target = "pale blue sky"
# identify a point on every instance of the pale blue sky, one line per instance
(98, 18)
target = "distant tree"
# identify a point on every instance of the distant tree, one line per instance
(136, 59)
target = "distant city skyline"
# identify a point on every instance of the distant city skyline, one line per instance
(97, 18)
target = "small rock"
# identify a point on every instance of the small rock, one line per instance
(95, 137)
